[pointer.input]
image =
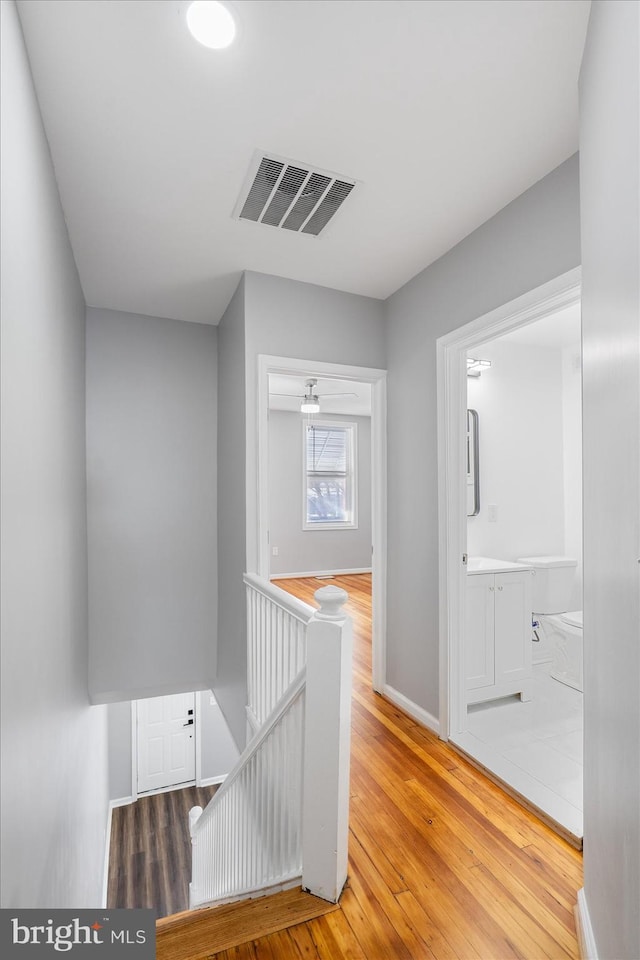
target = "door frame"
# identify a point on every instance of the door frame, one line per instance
(561, 292)
(378, 380)
(134, 749)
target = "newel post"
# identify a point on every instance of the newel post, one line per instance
(325, 812)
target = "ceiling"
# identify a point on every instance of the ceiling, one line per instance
(286, 392)
(442, 110)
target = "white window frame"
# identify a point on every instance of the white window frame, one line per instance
(352, 473)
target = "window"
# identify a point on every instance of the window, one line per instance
(329, 476)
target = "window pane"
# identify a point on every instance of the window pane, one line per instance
(327, 500)
(326, 450)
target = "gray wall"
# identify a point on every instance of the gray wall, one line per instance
(283, 318)
(218, 751)
(610, 195)
(532, 240)
(151, 474)
(230, 685)
(286, 318)
(54, 744)
(120, 759)
(312, 551)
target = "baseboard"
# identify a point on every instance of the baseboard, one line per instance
(212, 781)
(586, 939)
(418, 713)
(319, 573)
(121, 802)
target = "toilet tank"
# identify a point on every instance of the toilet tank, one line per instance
(552, 583)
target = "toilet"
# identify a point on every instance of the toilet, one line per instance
(559, 629)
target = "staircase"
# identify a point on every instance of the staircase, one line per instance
(280, 820)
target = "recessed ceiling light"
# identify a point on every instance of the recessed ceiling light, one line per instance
(211, 23)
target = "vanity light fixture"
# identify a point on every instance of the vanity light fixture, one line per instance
(475, 367)
(211, 23)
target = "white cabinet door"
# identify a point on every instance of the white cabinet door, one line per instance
(497, 640)
(512, 627)
(479, 632)
(166, 741)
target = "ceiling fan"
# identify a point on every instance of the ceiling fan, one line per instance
(310, 400)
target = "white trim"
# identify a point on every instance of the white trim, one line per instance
(378, 380)
(212, 781)
(134, 750)
(107, 853)
(319, 573)
(352, 474)
(586, 939)
(197, 716)
(545, 300)
(423, 717)
(122, 802)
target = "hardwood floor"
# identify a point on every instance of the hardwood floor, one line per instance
(150, 851)
(443, 864)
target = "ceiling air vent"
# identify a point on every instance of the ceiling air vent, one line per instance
(291, 196)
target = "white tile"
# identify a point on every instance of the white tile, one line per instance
(537, 745)
(569, 744)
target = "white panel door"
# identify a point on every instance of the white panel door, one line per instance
(166, 741)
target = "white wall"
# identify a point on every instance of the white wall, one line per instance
(532, 240)
(313, 551)
(610, 195)
(529, 407)
(151, 474)
(519, 404)
(54, 744)
(572, 452)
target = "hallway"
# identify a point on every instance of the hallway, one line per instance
(443, 864)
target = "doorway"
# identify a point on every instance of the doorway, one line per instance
(166, 742)
(453, 354)
(336, 378)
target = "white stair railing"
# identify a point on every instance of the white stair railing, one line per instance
(282, 814)
(249, 837)
(276, 645)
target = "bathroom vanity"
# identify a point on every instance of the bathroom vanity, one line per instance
(498, 630)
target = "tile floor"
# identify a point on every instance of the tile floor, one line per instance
(536, 746)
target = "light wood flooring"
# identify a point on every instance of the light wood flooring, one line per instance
(443, 864)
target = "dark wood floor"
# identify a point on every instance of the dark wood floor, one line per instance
(150, 853)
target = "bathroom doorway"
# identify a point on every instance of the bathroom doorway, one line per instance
(527, 735)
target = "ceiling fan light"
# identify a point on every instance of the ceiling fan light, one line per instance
(310, 404)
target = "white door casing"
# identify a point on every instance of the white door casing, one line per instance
(378, 380)
(165, 736)
(452, 350)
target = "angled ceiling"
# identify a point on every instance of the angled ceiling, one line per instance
(442, 110)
